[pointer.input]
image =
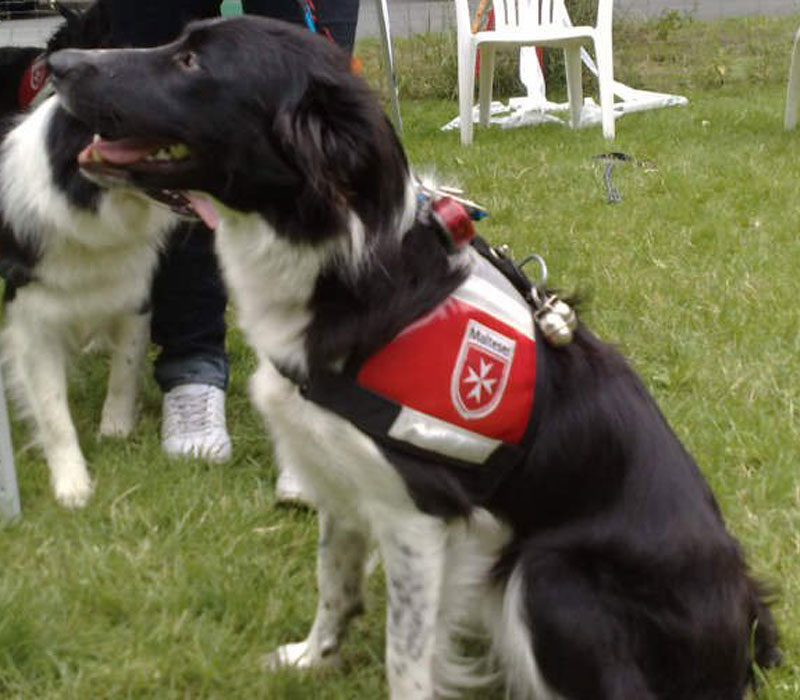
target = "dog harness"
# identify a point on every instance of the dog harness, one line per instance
(458, 384)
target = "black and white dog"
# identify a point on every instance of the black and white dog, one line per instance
(573, 529)
(78, 261)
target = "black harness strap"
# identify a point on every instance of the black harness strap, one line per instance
(374, 415)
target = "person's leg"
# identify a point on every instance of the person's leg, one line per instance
(154, 22)
(339, 17)
(188, 324)
(188, 294)
(189, 311)
(287, 10)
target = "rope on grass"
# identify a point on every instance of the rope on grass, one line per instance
(613, 195)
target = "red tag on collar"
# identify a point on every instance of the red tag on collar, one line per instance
(32, 82)
(454, 220)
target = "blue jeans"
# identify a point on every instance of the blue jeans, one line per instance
(189, 311)
(338, 16)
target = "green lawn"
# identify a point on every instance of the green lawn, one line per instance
(179, 577)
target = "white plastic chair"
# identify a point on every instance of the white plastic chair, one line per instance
(382, 9)
(793, 86)
(533, 23)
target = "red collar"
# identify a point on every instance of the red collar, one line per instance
(32, 82)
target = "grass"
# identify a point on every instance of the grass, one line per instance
(179, 577)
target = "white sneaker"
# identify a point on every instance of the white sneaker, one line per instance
(193, 423)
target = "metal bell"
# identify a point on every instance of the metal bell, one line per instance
(566, 312)
(556, 328)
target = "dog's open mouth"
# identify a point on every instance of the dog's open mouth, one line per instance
(146, 164)
(138, 155)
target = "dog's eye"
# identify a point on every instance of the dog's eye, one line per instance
(188, 60)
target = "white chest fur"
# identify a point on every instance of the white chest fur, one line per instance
(92, 262)
(271, 281)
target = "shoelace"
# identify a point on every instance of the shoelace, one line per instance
(192, 412)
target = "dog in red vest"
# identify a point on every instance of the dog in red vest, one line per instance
(518, 478)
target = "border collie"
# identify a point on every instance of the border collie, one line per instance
(578, 534)
(78, 262)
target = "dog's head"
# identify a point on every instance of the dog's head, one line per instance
(263, 116)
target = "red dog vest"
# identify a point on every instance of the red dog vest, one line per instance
(457, 384)
(464, 374)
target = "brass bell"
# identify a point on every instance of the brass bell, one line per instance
(555, 328)
(557, 321)
(566, 312)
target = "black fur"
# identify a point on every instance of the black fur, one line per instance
(354, 315)
(617, 529)
(17, 262)
(65, 139)
(634, 589)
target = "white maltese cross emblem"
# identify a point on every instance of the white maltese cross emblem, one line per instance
(481, 371)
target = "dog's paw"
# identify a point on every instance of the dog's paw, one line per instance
(116, 423)
(301, 655)
(74, 492)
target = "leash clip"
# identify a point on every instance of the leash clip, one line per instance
(556, 319)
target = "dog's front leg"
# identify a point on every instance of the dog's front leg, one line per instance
(413, 555)
(341, 554)
(130, 336)
(40, 366)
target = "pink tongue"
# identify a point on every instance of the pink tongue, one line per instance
(122, 152)
(204, 208)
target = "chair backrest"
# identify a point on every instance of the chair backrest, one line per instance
(511, 14)
(523, 13)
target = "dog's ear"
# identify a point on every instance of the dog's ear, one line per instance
(345, 147)
(67, 13)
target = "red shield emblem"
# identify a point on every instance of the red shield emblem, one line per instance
(38, 75)
(481, 371)
(32, 83)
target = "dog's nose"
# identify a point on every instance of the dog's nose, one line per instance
(71, 63)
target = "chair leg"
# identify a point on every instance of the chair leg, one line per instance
(572, 64)
(466, 89)
(605, 78)
(485, 83)
(793, 86)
